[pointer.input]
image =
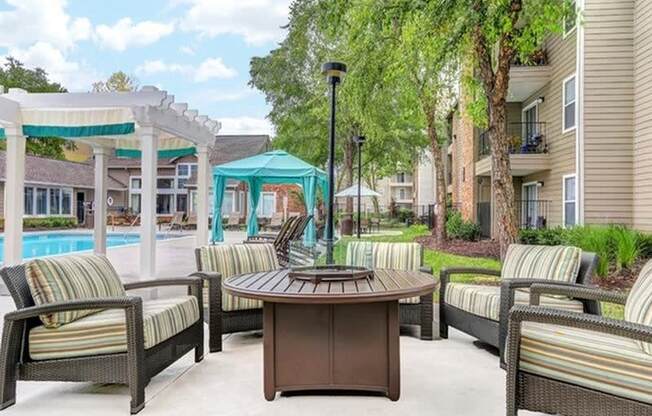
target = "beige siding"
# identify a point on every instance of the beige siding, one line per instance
(643, 115)
(561, 146)
(608, 111)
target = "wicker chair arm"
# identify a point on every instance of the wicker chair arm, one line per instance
(209, 276)
(127, 302)
(575, 291)
(259, 238)
(190, 282)
(446, 272)
(525, 313)
(426, 269)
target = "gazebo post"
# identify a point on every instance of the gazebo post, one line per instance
(149, 158)
(14, 195)
(100, 209)
(203, 179)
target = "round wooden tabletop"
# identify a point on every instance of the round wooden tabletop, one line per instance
(277, 286)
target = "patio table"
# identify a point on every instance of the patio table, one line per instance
(331, 335)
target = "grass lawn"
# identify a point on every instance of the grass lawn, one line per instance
(438, 260)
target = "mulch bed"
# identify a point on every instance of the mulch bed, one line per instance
(483, 248)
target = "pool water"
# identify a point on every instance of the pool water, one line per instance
(49, 244)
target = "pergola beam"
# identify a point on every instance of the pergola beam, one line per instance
(149, 157)
(14, 195)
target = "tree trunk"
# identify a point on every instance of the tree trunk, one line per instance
(349, 156)
(440, 183)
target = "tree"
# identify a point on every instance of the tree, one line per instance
(15, 75)
(118, 81)
(290, 77)
(418, 69)
(494, 33)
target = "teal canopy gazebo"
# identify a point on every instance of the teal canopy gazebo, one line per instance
(276, 167)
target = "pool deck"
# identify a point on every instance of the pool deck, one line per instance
(442, 377)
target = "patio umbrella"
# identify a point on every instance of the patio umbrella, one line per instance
(352, 191)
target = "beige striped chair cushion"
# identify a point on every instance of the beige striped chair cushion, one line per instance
(234, 259)
(560, 263)
(639, 302)
(105, 332)
(75, 277)
(485, 300)
(594, 360)
(398, 256)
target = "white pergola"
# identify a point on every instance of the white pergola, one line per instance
(143, 122)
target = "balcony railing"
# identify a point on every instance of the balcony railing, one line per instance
(532, 213)
(538, 58)
(525, 138)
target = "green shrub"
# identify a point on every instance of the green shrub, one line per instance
(458, 228)
(405, 215)
(50, 222)
(644, 244)
(626, 246)
(545, 237)
(596, 239)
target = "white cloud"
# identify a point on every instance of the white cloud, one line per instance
(125, 33)
(30, 21)
(246, 125)
(208, 69)
(214, 68)
(73, 75)
(188, 50)
(257, 21)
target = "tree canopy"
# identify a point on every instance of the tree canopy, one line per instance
(118, 81)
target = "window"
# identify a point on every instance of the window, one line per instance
(165, 183)
(570, 21)
(55, 201)
(29, 201)
(401, 194)
(184, 172)
(569, 208)
(400, 177)
(41, 201)
(182, 202)
(134, 203)
(164, 204)
(66, 201)
(136, 183)
(569, 110)
(267, 204)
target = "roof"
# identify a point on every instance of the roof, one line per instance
(41, 170)
(225, 149)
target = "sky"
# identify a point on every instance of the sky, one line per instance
(197, 50)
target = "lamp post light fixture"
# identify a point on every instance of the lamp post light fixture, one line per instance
(334, 71)
(359, 140)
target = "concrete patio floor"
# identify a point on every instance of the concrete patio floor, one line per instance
(443, 377)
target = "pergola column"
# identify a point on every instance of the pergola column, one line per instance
(203, 180)
(14, 195)
(100, 210)
(148, 167)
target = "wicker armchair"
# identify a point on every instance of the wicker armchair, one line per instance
(412, 311)
(134, 367)
(591, 366)
(225, 313)
(486, 324)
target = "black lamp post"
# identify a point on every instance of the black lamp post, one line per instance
(359, 140)
(334, 72)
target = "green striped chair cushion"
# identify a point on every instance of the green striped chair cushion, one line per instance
(233, 259)
(398, 256)
(75, 277)
(485, 300)
(594, 360)
(105, 332)
(639, 302)
(560, 263)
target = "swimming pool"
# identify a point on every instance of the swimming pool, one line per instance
(53, 243)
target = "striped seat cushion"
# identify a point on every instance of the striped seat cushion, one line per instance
(105, 332)
(639, 302)
(397, 256)
(594, 360)
(66, 278)
(485, 300)
(559, 263)
(233, 259)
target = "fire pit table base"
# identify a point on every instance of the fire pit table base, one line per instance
(317, 347)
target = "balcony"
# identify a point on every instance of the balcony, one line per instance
(532, 214)
(529, 150)
(527, 77)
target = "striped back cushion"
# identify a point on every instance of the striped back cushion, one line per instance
(60, 279)
(560, 263)
(232, 259)
(639, 302)
(398, 256)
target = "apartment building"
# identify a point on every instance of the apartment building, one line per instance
(580, 120)
(397, 189)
